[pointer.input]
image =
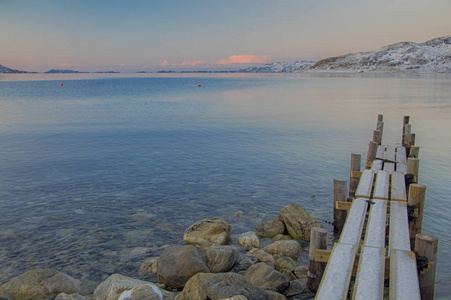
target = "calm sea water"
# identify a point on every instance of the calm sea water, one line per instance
(95, 167)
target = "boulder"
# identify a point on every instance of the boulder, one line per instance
(226, 285)
(297, 221)
(286, 263)
(290, 248)
(237, 297)
(39, 284)
(113, 287)
(262, 255)
(248, 240)
(270, 228)
(221, 258)
(146, 292)
(208, 231)
(297, 287)
(244, 263)
(178, 264)
(283, 237)
(288, 273)
(276, 296)
(301, 272)
(64, 296)
(193, 288)
(267, 278)
(149, 266)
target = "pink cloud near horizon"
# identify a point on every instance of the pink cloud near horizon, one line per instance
(164, 63)
(244, 59)
(190, 63)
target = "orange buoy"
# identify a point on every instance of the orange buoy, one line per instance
(62, 84)
(199, 84)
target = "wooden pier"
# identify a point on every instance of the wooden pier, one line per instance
(380, 224)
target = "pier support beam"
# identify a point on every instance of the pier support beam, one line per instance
(405, 122)
(340, 195)
(413, 166)
(318, 240)
(415, 202)
(426, 245)
(354, 177)
(372, 149)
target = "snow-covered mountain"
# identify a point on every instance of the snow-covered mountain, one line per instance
(279, 67)
(4, 69)
(431, 56)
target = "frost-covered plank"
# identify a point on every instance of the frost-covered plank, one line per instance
(401, 155)
(337, 276)
(377, 165)
(382, 185)
(398, 187)
(401, 167)
(354, 222)
(380, 153)
(403, 276)
(390, 153)
(389, 167)
(399, 226)
(365, 184)
(375, 228)
(369, 283)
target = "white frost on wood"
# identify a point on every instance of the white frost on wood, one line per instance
(352, 229)
(365, 184)
(403, 276)
(398, 186)
(336, 278)
(382, 185)
(399, 226)
(377, 165)
(390, 153)
(369, 283)
(375, 229)
(401, 155)
(401, 167)
(380, 152)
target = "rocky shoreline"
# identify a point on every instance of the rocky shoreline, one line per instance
(208, 266)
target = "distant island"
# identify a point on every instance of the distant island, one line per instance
(433, 56)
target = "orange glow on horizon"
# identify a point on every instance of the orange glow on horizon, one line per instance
(244, 59)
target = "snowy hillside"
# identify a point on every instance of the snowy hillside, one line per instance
(431, 56)
(4, 69)
(279, 67)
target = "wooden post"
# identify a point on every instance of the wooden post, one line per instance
(426, 245)
(353, 178)
(380, 126)
(318, 240)
(411, 141)
(413, 166)
(372, 149)
(414, 151)
(377, 136)
(405, 121)
(407, 131)
(415, 202)
(340, 195)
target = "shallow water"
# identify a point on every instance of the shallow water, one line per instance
(106, 163)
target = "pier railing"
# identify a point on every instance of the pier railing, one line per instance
(380, 224)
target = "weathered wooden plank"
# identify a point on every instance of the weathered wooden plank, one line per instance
(398, 187)
(390, 153)
(354, 222)
(365, 184)
(369, 283)
(401, 167)
(337, 276)
(403, 276)
(399, 226)
(389, 167)
(382, 185)
(377, 165)
(376, 226)
(401, 155)
(380, 153)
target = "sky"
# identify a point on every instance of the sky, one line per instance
(148, 35)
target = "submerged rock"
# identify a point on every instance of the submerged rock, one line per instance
(149, 266)
(221, 258)
(248, 240)
(40, 284)
(270, 228)
(208, 231)
(226, 285)
(297, 221)
(178, 264)
(64, 296)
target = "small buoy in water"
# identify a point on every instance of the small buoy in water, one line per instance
(62, 84)
(199, 84)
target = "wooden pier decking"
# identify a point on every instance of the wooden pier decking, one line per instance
(375, 241)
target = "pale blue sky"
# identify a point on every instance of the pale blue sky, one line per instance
(89, 35)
